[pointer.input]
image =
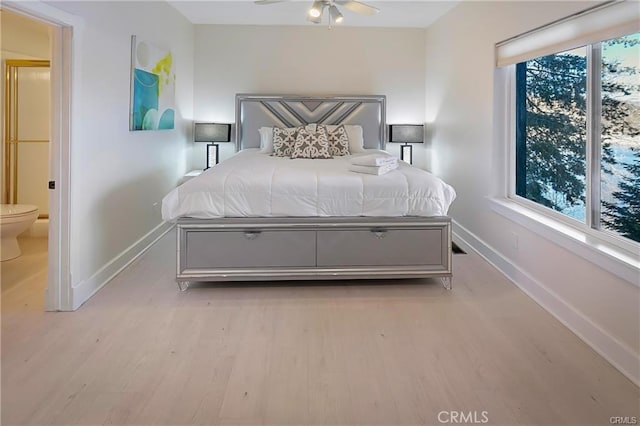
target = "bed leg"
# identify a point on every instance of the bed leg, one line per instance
(447, 282)
(183, 285)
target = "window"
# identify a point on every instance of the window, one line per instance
(577, 134)
(620, 136)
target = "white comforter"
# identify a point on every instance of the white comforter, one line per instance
(251, 184)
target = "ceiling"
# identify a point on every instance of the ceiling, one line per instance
(407, 14)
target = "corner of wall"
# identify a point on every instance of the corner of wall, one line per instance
(87, 288)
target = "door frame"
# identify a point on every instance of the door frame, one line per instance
(64, 35)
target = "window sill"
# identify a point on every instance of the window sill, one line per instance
(623, 264)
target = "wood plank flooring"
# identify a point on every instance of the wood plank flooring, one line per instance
(321, 353)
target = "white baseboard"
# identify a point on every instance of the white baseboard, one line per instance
(87, 288)
(618, 354)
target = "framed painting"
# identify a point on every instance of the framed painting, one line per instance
(152, 105)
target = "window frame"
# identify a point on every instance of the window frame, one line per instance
(591, 227)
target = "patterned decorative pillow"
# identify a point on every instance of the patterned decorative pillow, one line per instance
(312, 144)
(354, 132)
(284, 140)
(338, 141)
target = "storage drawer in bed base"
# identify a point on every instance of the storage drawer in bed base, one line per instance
(312, 248)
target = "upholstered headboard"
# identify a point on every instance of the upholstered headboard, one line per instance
(255, 111)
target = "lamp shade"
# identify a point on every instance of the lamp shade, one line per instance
(335, 14)
(212, 132)
(316, 9)
(406, 133)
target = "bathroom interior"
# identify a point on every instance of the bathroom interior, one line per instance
(26, 119)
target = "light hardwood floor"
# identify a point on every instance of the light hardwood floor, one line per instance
(336, 353)
(29, 270)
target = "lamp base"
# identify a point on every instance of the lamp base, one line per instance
(406, 153)
(213, 150)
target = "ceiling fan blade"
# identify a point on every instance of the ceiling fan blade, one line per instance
(264, 2)
(359, 7)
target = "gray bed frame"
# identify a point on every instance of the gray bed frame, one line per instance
(259, 249)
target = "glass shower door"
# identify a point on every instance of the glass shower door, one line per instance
(28, 118)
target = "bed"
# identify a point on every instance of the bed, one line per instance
(260, 217)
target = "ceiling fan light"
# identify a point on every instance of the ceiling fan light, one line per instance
(314, 20)
(335, 14)
(316, 9)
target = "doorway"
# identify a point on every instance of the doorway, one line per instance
(60, 27)
(26, 53)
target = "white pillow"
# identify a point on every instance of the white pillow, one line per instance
(355, 135)
(266, 137)
(266, 140)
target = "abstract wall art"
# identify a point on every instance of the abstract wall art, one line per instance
(152, 87)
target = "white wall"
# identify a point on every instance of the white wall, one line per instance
(601, 307)
(304, 60)
(118, 177)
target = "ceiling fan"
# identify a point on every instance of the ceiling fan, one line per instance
(317, 9)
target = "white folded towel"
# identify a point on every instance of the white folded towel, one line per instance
(373, 170)
(374, 160)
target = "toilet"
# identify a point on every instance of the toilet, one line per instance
(14, 220)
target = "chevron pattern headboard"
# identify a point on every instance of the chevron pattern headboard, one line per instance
(255, 111)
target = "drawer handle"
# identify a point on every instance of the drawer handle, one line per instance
(379, 233)
(251, 235)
